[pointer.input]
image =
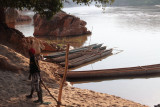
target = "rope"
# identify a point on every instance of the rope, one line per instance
(48, 91)
(53, 96)
(90, 36)
(119, 51)
(92, 66)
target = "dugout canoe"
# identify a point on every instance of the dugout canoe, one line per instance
(114, 73)
(58, 54)
(87, 58)
(75, 55)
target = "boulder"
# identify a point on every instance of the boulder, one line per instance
(49, 47)
(31, 42)
(38, 45)
(61, 24)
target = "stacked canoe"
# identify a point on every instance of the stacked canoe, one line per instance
(80, 56)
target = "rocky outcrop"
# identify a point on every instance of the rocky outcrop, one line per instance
(49, 47)
(61, 24)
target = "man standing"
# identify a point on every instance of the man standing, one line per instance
(35, 77)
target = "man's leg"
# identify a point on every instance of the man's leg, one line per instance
(30, 96)
(32, 90)
(39, 94)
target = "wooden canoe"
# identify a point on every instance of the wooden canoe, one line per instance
(114, 73)
(75, 55)
(58, 54)
(87, 58)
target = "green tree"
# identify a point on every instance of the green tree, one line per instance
(43, 7)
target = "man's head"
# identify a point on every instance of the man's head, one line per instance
(31, 52)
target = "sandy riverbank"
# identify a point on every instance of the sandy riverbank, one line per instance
(14, 86)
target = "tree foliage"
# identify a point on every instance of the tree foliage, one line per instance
(43, 7)
(87, 2)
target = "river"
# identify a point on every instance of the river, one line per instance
(136, 31)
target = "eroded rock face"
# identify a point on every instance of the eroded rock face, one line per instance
(61, 24)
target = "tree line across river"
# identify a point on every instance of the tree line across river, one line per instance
(135, 2)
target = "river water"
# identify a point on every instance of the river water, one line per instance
(136, 31)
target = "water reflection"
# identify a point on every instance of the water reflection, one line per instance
(75, 42)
